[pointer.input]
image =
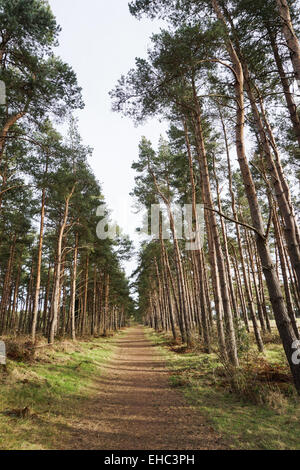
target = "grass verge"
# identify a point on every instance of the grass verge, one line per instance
(243, 424)
(37, 397)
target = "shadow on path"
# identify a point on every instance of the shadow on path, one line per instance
(135, 408)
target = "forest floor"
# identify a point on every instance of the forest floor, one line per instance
(141, 390)
(262, 412)
(41, 395)
(136, 408)
(110, 394)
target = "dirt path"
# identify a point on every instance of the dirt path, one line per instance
(136, 408)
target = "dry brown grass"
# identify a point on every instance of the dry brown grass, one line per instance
(258, 381)
(21, 349)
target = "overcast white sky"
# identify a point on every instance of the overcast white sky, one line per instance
(100, 40)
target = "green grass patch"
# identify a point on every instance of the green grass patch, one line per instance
(36, 398)
(243, 424)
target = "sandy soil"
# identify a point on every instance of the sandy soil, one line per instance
(136, 409)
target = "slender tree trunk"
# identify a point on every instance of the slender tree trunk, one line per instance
(56, 291)
(73, 290)
(38, 269)
(281, 316)
(6, 286)
(106, 304)
(290, 36)
(291, 105)
(228, 317)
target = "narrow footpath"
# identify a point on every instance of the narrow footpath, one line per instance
(136, 409)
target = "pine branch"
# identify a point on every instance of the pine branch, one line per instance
(249, 227)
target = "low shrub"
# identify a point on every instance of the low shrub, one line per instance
(257, 381)
(20, 351)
